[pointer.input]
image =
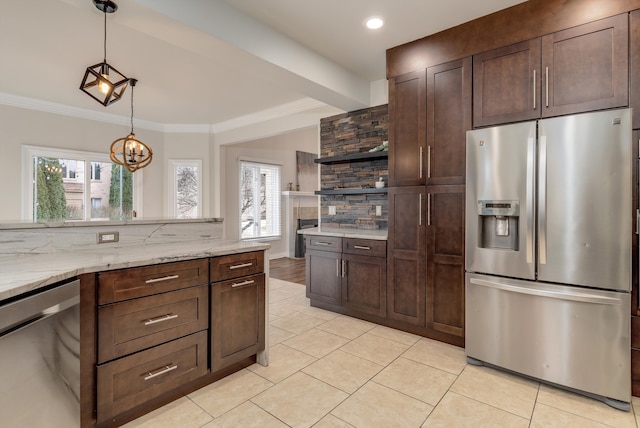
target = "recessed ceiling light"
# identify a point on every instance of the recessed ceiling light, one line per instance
(373, 22)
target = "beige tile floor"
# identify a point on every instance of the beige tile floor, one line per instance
(328, 370)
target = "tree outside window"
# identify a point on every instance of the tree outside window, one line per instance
(259, 200)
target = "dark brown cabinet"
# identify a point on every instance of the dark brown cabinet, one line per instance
(323, 259)
(634, 60)
(407, 129)
(580, 69)
(237, 320)
(406, 261)
(445, 259)
(347, 273)
(448, 119)
(364, 272)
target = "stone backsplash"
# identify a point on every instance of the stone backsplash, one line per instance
(354, 132)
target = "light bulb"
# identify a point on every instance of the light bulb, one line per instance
(104, 86)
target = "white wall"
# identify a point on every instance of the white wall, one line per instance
(280, 148)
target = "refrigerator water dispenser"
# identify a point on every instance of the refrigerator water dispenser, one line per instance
(498, 224)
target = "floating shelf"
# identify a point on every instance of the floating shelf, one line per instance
(364, 156)
(351, 191)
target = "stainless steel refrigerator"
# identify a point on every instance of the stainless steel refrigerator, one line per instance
(548, 251)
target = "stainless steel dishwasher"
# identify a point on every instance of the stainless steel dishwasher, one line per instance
(40, 358)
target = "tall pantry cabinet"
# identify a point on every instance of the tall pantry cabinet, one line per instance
(429, 113)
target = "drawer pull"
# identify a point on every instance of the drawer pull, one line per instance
(164, 278)
(243, 265)
(321, 243)
(361, 247)
(166, 317)
(240, 284)
(159, 372)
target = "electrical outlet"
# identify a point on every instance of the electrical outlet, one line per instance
(104, 237)
(378, 210)
(332, 210)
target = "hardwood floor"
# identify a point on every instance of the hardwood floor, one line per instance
(288, 269)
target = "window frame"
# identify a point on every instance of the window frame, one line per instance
(172, 167)
(29, 151)
(276, 197)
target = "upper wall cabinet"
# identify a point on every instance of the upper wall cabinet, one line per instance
(407, 133)
(448, 119)
(579, 69)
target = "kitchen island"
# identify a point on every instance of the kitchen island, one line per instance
(158, 290)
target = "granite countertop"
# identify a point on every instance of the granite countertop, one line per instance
(21, 273)
(376, 234)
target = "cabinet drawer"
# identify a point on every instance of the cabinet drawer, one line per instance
(236, 265)
(324, 243)
(127, 327)
(124, 284)
(131, 381)
(365, 247)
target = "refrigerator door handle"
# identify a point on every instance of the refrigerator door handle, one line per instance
(530, 198)
(542, 203)
(570, 296)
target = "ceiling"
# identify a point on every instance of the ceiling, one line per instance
(214, 61)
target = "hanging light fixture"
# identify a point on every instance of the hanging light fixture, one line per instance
(102, 82)
(130, 152)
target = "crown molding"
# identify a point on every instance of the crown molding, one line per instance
(280, 111)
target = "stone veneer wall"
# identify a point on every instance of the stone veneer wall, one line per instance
(354, 132)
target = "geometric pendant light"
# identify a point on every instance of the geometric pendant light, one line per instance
(101, 81)
(130, 152)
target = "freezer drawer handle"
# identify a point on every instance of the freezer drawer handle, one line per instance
(575, 297)
(162, 318)
(243, 265)
(164, 278)
(162, 371)
(240, 284)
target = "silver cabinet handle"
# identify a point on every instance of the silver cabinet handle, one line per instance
(159, 372)
(162, 318)
(419, 209)
(337, 267)
(428, 161)
(546, 82)
(420, 162)
(344, 268)
(164, 278)
(321, 243)
(534, 89)
(361, 247)
(428, 209)
(243, 265)
(240, 284)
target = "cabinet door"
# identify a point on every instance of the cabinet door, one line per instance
(448, 119)
(407, 129)
(586, 67)
(237, 320)
(364, 286)
(445, 259)
(324, 276)
(406, 272)
(506, 84)
(634, 59)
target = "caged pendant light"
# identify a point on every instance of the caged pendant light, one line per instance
(102, 82)
(130, 152)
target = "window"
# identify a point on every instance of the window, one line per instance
(185, 188)
(259, 200)
(56, 187)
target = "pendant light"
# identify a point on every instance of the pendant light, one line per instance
(130, 152)
(102, 82)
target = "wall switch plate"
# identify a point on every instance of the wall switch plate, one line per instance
(104, 237)
(332, 210)
(378, 210)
